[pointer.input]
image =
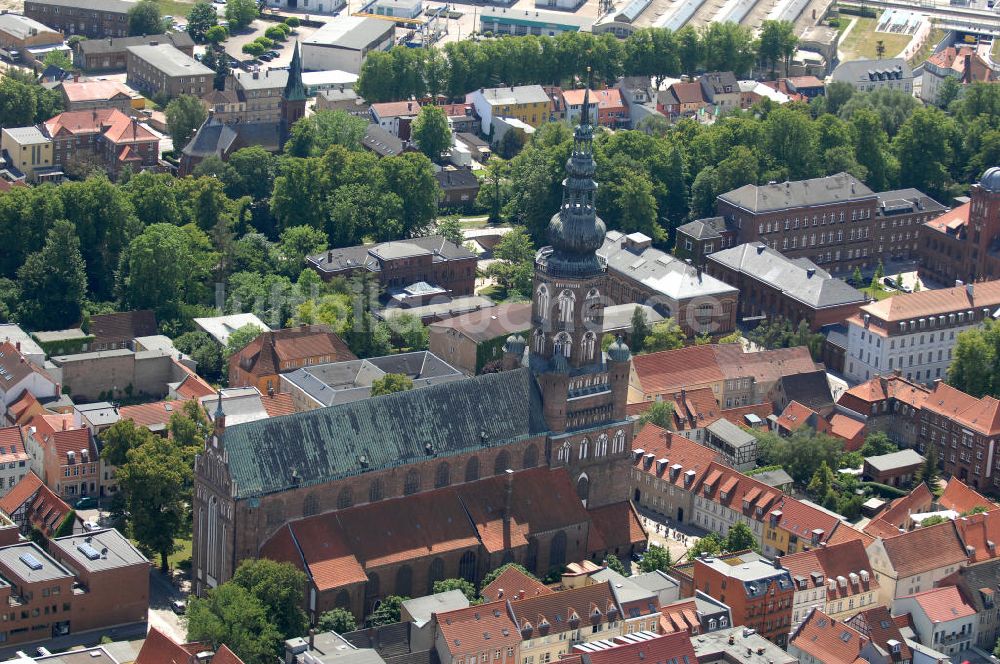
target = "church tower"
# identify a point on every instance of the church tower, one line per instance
(293, 99)
(581, 388)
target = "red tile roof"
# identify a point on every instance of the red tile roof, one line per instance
(908, 551)
(877, 624)
(962, 498)
(325, 551)
(801, 519)
(846, 560)
(688, 93)
(828, 640)
(23, 406)
(511, 583)
(395, 109)
(158, 648)
(477, 629)
(980, 415)
(846, 533)
(860, 398)
(15, 366)
(795, 416)
(610, 98)
(265, 355)
(738, 415)
(681, 616)
(678, 451)
(955, 59)
(278, 404)
(982, 533)
(943, 604)
(671, 370)
(850, 430)
(12, 447)
(952, 219)
(933, 302)
(760, 497)
(95, 90)
(192, 386)
(225, 656)
(117, 128)
(151, 415)
(897, 516)
(576, 608)
(618, 523)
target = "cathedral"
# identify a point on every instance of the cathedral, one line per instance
(388, 495)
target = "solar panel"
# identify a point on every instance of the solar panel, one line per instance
(89, 551)
(30, 560)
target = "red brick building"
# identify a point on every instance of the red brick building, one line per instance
(274, 352)
(759, 593)
(105, 136)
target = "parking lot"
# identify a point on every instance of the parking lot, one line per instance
(234, 45)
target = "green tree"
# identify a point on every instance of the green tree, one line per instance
(253, 172)
(930, 472)
(388, 611)
(801, 454)
(467, 588)
(656, 559)
(204, 351)
(431, 131)
(53, 281)
(710, 544)
(513, 267)
(660, 413)
(201, 19)
(241, 13)
(120, 438)
(240, 338)
(821, 482)
(313, 135)
(615, 564)
(837, 94)
(337, 620)
(665, 335)
(410, 177)
(974, 366)
(878, 443)
(184, 115)
(152, 481)
(391, 383)
(231, 615)
(740, 538)
(640, 329)
(144, 19)
(857, 277)
(216, 34)
(254, 49)
(451, 229)
(928, 136)
(58, 59)
(934, 519)
(280, 588)
(298, 242)
(492, 575)
(189, 426)
(948, 92)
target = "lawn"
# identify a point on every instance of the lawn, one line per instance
(995, 51)
(879, 294)
(861, 42)
(175, 8)
(174, 559)
(925, 50)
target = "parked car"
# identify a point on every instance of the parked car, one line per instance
(273, 54)
(91, 526)
(266, 57)
(178, 606)
(86, 503)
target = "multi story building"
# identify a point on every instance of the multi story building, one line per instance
(772, 285)
(20, 376)
(105, 137)
(300, 488)
(665, 468)
(697, 239)
(877, 625)
(902, 565)
(32, 506)
(260, 95)
(28, 152)
(962, 64)
(111, 54)
(344, 42)
(870, 75)
(888, 403)
(19, 32)
(485, 632)
(961, 244)
(398, 264)
(528, 103)
(280, 351)
(395, 117)
(758, 592)
(977, 584)
(14, 458)
(640, 273)
(67, 459)
(161, 69)
(822, 639)
(941, 617)
(94, 19)
(721, 90)
(97, 95)
(737, 446)
(605, 105)
(837, 579)
(915, 332)
(898, 225)
(508, 21)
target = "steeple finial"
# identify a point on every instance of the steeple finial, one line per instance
(218, 407)
(585, 116)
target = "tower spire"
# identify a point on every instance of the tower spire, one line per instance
(295, 90)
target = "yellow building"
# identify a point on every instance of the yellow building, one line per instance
(29, 151)
(794, 525)
(528, 103)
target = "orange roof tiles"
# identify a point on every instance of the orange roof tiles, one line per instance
(610, 98)
(326, 552)
(511, 583)
(943, 604)
(192, 386)
(795, 416)
(833, 561)
(827, 640)
(981, 415)
(278, 404)
(267, 354)
(897, 516)
(758, 497)
(849, 429)
(981, 532)
(846, 533)
(617, 522)
(24, 407)
(908, 551)
(962, 498)
(860, 398)
(680, 617)
(677, 450)
(94, 90)
(225, 656)
(112, 123)
(476, 629)
(933, 302)
(576, 608)
(12, 445)
(151, 415)
(671, 370)
(877, 624)
(801, 519)
(158, 648)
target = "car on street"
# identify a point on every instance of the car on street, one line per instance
(86, 503)
(178, 606)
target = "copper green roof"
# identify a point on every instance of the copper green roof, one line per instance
(322, 445)
(294, 88)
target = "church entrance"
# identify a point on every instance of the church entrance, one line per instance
(680, 515)
(583, 488)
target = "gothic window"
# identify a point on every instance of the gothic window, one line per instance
(564, 452)
(373, 588)
(539, 342)
(602, 444)
(583, 488)
(442, 477)
(566, 302)
(310, 505)
(345, 498)
(436, 573)
(275, 513)
(584, 444)
(564, 344)
(589, 345)
(343, 600)
(467, 567)
(592, 304)
(557, 550)
(412, 484)
(530, 456)
(531, 557)
(619, 443)
(542, 296)
(404, 581)
(501, 463)
(375, 491)
(472, 469)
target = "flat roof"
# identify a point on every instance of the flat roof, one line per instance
(30, 564)
(352, 32)
(120, 6)
(539, 17)
(100, 550)
(26, 135)
(220, 327)
(169, 60)
(900, 459)
(60, 335)
(21, 26)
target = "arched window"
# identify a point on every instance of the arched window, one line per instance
(539, 341)
(564, 344)
(442, 476)
(589, 345)
(530, 456)
(542, 295)
(557, 551)
(584, 448)
(375, 491)
(566, 302)
(310, 505)
(435, 573)
(583, 488)
(345, 498)
(501, 463)
(619, 443)
(467, 567)
(531, 556)
(602, 445)
(564, 452)
(275, 513)
(592, 305)
(373, 589)
(412, 484)
(343, 600)
(404, 581)
(472, 469)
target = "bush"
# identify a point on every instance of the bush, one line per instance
(254, 48)
(265, 42)
(275, 32)
(293, 22)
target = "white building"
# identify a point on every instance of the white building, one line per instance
(18, 375)
(310, 6)
(941, 618)
(345, 42)
(220, 327)
(914, 333)
(870, 75)
(405, 9)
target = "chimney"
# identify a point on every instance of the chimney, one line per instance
(970, 289)
(329, 257)
(312, 639)
(967, 72)
(76, 77)
(18, 346)
(810, 272)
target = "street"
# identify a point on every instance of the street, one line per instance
(161, 616)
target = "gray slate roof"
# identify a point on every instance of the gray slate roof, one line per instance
(169, 60)
(704, 229)
(214, 138)
(381, 142)
(382, 432)
(984, 575)
(113, 45)
(810, 389)
(121, 6)
(732, 434)
(21, 27)
(900, 459)
(854, 71)
(792, 276)
(905, 201)
(345, 258)
(780, 195)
